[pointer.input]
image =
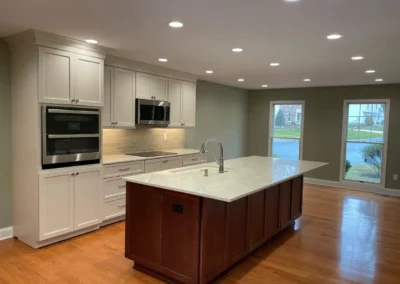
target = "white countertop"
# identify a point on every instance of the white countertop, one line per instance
(244, 176)
(114, 159)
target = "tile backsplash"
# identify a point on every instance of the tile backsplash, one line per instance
(123, 141)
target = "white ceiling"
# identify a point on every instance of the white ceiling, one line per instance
(268, 31)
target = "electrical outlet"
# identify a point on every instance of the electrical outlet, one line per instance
(395, 177)
(165, 136)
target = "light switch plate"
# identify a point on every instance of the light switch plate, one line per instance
(395, 177)
(165, 136)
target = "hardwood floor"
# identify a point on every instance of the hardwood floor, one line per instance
(343, 237)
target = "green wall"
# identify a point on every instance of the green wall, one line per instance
(5, 137)
(323, 124)
(221, 112)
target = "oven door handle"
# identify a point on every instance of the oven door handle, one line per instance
(61, 136)
(67, 111)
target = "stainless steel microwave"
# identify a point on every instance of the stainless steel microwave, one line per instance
(70, 136)
(152, 112)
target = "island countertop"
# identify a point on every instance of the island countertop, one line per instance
(244, 177)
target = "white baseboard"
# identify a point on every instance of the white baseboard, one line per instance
(6, 233)
(354, 186)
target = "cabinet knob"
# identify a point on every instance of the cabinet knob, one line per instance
(72, 174)
(73, 100)
(77, 100)
(116, 122)
(77, 174)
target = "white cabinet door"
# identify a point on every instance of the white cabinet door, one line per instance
(172, 163)
(123, 98)
(87, 197)
(153, 165)
(106, 114)
(89, 75)
(55, 204)
(143, 86)
(159, 88)
(189, 104)
(174, 97)
(56, 77)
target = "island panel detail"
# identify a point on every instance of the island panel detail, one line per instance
(183, 238)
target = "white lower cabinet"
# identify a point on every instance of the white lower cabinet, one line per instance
(114, 207)
(87, 198)
(69, 200)
(156, 165)
(56, 204)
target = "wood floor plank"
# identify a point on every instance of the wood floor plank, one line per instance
(343, 237)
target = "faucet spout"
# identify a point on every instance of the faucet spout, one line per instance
(221, 155)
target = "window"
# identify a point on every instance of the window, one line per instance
(364, 143)
(286, 129)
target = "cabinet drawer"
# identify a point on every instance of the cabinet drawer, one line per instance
(114, 207)
(194, 159)
(123, 169)
(113, 187)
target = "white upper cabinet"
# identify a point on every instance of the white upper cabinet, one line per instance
(68, 78)
(56, 76)
(151, 87)
(159, 88)
(119, 98)
(182, 96)
(189, 104)
(123, 98)
(56, 204)
(106, 114)
(89, 74)
(143, 86)
(87, 197)
(175, 98)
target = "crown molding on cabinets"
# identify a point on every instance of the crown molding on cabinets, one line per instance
(29, 38)
(124, 63)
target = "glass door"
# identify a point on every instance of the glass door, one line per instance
(364, 142)
(286, 130)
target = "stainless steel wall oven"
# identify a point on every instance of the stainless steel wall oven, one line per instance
(70, 136)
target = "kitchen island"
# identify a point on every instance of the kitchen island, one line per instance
(185, 227)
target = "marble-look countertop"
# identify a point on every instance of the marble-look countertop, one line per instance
(114, 159)
(244, 177)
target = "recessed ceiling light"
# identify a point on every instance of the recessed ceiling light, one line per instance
(358, 57)
(292, 0)
(274, 64)
(162, 59)
(334, 36)
(378, 80)
(241, 80)
(370, 71)
(209, 72)
(237, 49)
(91, 41)
(264, 86)
(307, 80)
(175, 24)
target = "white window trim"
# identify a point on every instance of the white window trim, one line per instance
(271, 123)
(385, 147)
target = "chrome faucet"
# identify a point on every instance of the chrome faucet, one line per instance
(221, 154)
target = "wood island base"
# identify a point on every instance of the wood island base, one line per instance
(182, 238)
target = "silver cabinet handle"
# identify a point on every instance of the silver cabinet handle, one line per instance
(194, 159)
(122, 186)
(68, 111)
(121, 206)
(124, 170)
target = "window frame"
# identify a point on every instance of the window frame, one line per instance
(271, 124)
(344, 138)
